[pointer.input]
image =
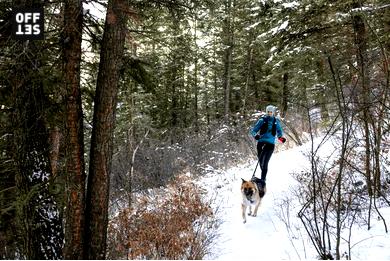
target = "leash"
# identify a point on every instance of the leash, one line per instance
(254, 152)
(250, 145)
(254, 172)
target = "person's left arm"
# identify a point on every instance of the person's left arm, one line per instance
(279, 132)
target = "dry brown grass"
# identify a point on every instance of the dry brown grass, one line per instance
(173, 223)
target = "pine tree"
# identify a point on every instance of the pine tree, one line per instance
(96, 214)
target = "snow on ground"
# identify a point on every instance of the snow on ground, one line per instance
(267, 236)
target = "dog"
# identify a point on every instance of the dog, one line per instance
(252, 193)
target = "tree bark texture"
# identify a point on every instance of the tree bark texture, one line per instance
(75, 168)
(103, 129)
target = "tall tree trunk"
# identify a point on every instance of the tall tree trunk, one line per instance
(228, 35)
(75, 168)
(364, 92)
(285, 95)
(207, 107)
(175, 82)
(103, 129)
(248, 76)
(215, 80)
(196, 88)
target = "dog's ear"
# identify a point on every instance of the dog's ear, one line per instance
(243, 180)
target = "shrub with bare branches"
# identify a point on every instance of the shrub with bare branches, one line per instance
(169, 223)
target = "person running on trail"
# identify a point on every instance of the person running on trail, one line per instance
(264, 132)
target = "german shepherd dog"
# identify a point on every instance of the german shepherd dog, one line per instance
(252, 192)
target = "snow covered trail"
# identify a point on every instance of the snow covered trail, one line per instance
(267, 236)
(263, 236)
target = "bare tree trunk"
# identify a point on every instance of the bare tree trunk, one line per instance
(286, 93)
(248, 76)
(228, 34)
(103, 129)
(75, 168)
(207, 107)
(196, 87)
(364, 95)
(215, 81)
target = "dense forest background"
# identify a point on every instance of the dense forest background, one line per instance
(107, 106)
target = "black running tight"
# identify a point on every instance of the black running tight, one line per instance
(264, 153)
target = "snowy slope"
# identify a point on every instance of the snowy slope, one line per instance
(267, 236)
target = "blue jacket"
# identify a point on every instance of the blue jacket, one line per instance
(267, 137)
